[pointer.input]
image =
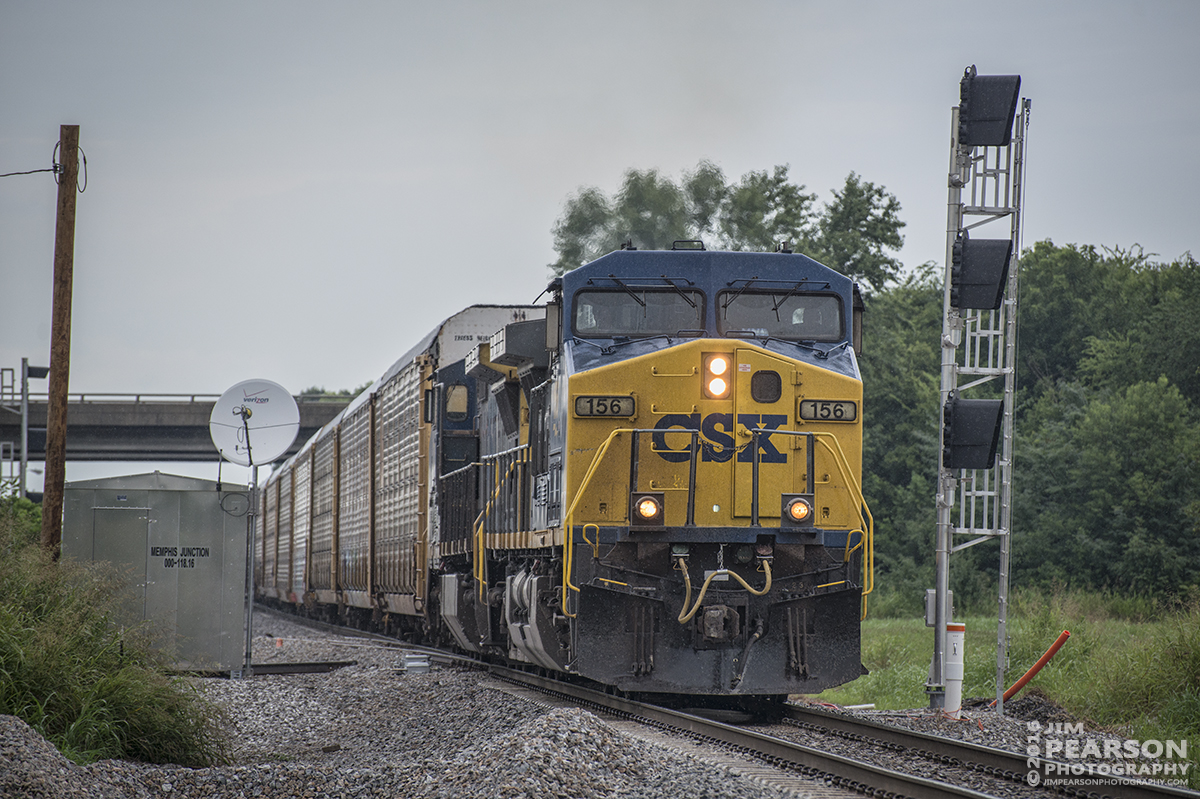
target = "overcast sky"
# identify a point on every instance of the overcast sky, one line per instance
(299, 190)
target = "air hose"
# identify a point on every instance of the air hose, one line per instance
(686, 615)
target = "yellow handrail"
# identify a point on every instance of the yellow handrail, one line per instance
(569, 516)
(864, 515)
(480, 548)
(867, 532)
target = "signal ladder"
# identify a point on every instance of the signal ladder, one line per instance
(979, 345)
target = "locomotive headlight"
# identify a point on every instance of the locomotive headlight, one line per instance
(717, 367)
(646, 509)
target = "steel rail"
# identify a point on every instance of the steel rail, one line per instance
(440, 656)
(985, 759)
(845, 772)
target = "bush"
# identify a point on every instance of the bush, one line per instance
(91, 689)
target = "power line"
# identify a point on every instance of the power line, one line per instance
(54, 169)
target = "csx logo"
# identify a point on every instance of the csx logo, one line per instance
(717, 437)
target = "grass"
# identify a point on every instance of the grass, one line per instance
(93, 690)
(1131, 666)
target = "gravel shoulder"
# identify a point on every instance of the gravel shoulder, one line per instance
(372, 730)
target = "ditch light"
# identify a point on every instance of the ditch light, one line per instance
(797, 510)
(646, 509)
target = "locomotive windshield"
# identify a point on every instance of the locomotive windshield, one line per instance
(637, 311)
(781, 314)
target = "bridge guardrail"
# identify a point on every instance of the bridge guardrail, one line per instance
(154, 397)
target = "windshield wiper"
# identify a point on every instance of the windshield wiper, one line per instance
(791, 292)
(826, 353)
(729, 300)
(680, 291)
(628, 290)
(621, 341)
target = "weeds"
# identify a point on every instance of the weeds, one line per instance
(93, 690)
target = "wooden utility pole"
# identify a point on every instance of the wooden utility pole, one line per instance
(60, 342)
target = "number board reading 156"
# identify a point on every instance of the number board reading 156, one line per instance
(828, 410)
(604, 406)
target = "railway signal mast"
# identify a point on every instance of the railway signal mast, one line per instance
(979, 348)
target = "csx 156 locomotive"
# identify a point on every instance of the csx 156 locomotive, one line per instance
(653, 482)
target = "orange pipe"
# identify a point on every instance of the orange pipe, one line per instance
(1042, 661)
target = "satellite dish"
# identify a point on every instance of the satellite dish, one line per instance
(254, 422)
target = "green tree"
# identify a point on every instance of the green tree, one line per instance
(900, 367)
(1046, 527)
(764, 209)
(649, 211)
(1158, 338)
(853, 233)
(1070, 295)
(1139, 463)
(321, 392)
(706, 191)
(1106, 489)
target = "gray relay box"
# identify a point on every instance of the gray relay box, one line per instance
(181, 545)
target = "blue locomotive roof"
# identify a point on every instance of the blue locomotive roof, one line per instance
(709, 273)
(700, 263)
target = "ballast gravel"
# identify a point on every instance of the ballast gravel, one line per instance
(374, 730)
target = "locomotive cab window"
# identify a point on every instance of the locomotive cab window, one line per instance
(457, 402)
(637, 312)
(782, 314)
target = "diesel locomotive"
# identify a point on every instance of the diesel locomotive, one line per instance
(653, 482)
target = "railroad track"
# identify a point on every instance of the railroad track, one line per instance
(843, 772)
(997, 763)
(950, 768)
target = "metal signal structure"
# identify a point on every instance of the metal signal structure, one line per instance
(979, 345)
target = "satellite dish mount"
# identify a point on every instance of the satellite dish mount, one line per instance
(267, 413)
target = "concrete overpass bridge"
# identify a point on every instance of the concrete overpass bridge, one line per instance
(140, 427)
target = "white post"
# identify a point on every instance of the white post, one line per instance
(955, 641)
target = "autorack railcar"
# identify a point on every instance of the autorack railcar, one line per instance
(653, 482)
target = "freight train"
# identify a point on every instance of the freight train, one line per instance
(652, 482)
